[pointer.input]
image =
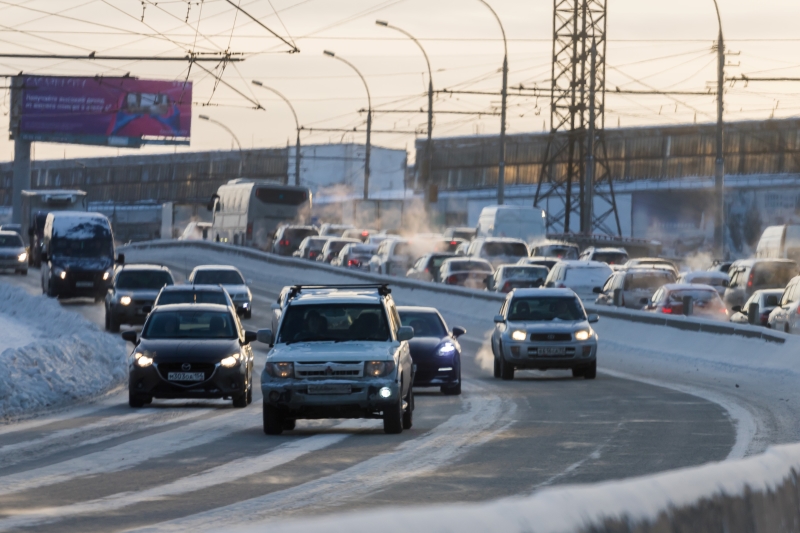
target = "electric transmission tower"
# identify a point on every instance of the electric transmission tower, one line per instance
(575, 168)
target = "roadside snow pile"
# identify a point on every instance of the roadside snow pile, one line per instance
(64, 358)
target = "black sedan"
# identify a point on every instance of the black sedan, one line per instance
(434, 349)
(191, 351)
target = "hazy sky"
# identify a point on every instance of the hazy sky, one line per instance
(651, 45)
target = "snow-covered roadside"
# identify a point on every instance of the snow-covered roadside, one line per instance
(65, 358)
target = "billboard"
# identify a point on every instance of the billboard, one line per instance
(101, 111)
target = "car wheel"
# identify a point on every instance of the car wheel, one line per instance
(289, 424)
(452, 390)
(506, 370)
(113, 323)
(135, 401)
(496, 367)
(786, 329)
(408, 416)
(590, 372)
(108, 321)
(393, 418)
(250, 394)
(248, 314)
(273, 420)
(577, 372)
(240, 400)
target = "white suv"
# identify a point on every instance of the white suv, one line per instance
(393, 258)
(339, 352)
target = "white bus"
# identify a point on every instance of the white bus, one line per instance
(248, 212)
(780, 242)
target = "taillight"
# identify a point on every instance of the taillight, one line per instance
(750, 280)
(452, 279)
(353, 262)
(667, 310)
(453, 243)
(250, 230)
(284, 242)
(507, 286)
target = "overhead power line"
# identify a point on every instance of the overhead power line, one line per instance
(194, 58)
(294, 49)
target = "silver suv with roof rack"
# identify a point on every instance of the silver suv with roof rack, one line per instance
(338, 352)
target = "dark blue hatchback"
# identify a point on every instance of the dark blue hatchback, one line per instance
(434, 349)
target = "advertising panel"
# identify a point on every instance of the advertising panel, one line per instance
(101, 111)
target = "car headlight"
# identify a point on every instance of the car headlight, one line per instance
(60, 272)
(22, 257)
(377, 369)
(125, 300)
(230, 361)
(143, 361)
(280, 370)
(448, 348)
(106, 275)
(583, 335)
(519, 335)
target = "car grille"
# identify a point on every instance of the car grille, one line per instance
(141, 303)
(329, 370)
(165, 368)
(551, 337)
(83, 276)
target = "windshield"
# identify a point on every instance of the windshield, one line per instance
(714, 282)
(192, 297)
(10, 241)
(424, 324)
(612, 258)
(143, 279)
(471, 266)
(467, 235)
(545, 308)
(698, 295)
(334, 247)
(647, 280)
(94, 247)
(218, 277)
(773, 274)
(513, 249)
(526, 273)
(189, 325)
(334, 322)
(298, 234)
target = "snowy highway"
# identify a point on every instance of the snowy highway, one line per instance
(180, 465)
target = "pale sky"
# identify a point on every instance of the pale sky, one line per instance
(664, 45)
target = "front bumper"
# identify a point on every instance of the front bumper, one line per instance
(436, 373)
(220, 382)
(13, 263)
(525, 354)
(81, 284)
(242, 306)
(293, 398)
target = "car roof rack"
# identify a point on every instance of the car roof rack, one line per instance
(382, 288)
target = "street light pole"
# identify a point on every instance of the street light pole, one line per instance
(501, 171)
(429, 145)
(719, 167)
(235, 138)
(369, 119)
(297, 127)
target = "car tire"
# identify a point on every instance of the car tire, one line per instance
(113, 323)
(135, 401)
(107, 321)
(393, 418)
(23, 272)
(273, 420)
(506, 370)
(250, 394)
(51, 293)
(452, 390)
(591, 371)
(289, 424)
(496, 367)
(577, 372)
(240, 400)
(786, 328)
(248, 314)
(408, 415)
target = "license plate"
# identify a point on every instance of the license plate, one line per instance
(552, 351)
(84, 284)
(330, 388)
(186, 376)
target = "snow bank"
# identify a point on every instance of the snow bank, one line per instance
(50, 356)
(760, 489)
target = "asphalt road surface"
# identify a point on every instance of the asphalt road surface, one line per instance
(182, 465)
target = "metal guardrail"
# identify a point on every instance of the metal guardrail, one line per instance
(677, 322)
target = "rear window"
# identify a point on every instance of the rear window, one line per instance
(218, 277)
(471, 266)
(532, 274)
(696, 295)
(8, 241)
(298, 234)
(513, 249)
(594, 276)
(612, 258)
(336, 246)
(280, 196)
(773, 274)
(192, 297)
(647, 280)
(714, 282)
(467, 235)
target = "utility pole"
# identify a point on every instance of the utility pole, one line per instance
(719, 167)
(588, 188)
(501, 167)
(297, 126)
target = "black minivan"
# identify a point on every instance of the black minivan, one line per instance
(77, 255)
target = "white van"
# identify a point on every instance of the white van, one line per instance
(780, 242)
(513, 221)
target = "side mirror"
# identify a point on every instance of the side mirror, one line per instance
(459, 331)
(597, 290)
(265, 336)
(250, 336)
(130, 336)
(737, 309)
(147, 308)
(121, 259)
(498, 319)
(405, 333)
(593, 319)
